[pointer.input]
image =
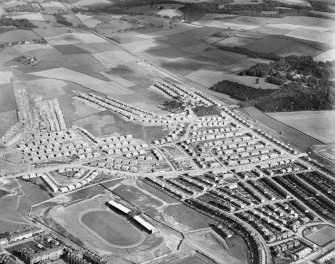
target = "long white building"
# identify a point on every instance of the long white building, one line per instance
(119, 207)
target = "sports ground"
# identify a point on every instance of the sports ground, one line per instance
(111, 228)
(321, 236)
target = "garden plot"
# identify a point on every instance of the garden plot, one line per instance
(83, 80)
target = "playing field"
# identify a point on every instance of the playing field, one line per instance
(191, 259)
(217, 248)
(322, 236)
(317, 124)
(288, 133)
(111, 228)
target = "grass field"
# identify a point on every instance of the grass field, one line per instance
(30, 16)
(7, 101)
(92, 83)
(190, 259)
(317, 124)
(73, 38)
(156, 192)
(135, 196)
(89, 21)
(290, 134)
(105, 123)
(326, 56)
(17, 35)
(215, 247)
(111, 228)
(321, 235)
(186, 218)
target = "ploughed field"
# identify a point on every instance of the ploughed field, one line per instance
(111, 228)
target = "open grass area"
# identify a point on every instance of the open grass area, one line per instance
(288, 133)
(320, 235)
(136, 197)
(17, 35)
(111, 228)
(317, 124)
(188, 259)
(156, 192)
(185, 217)
(106, 123)
(7, 101)
(83, 80)
(216, 247)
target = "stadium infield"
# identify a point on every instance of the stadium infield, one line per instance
(111, 228)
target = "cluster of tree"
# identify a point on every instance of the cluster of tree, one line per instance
(21, 23)
(24, 7)
(280, 9)
(194, 11)
(240, 91)
(202, 110)
(295, 97)
(173, 105)
(251, 53)
(62, 20)
(300, 69)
